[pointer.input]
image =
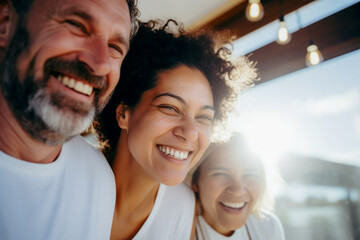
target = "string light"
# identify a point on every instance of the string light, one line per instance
(284, 36)
(254, 11)
(313, 56)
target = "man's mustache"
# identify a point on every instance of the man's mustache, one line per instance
(77, 70)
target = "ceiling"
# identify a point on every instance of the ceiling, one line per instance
(191, 13)
(336, 34)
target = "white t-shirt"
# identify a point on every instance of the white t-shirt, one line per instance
(172, 215)
(267, 227)
(72, 198)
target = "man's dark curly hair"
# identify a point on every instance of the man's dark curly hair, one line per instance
(23, 6)
(158, 47)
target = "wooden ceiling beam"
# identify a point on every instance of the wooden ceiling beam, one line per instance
(335, 35)
(234, 19)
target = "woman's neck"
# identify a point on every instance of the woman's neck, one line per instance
(135, 193)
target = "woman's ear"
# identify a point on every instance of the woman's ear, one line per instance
(6, 21)
(194, 187)
(122, 116)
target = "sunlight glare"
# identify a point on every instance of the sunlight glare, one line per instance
(269, 136)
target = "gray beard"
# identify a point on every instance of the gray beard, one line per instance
(48, 118)
(57, 125)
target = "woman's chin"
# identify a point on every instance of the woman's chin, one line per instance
(172, 181)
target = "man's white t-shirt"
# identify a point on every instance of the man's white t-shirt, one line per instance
(71, 198)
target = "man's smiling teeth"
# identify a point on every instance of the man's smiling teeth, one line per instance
(76, 85)
(173, 152)
(233, 204)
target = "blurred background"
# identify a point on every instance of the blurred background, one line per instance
(304, 113)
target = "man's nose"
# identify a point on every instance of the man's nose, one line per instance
(96, 56)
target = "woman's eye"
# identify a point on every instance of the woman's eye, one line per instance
(169, 109)
(251, 176)
(77, 26)
(206, 117)
(218, 174)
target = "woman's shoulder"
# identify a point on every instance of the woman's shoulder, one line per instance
(266, 223)
(177, 200)
(175, 208)
(181, 189)
(264, 217)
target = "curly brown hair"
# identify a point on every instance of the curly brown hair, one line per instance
(158, 47)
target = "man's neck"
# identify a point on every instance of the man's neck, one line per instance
(15, 142)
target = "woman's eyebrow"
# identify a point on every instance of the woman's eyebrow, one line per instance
(170, 95)
(252, 170)
(218, 168)
(180, 99)
(208, 107)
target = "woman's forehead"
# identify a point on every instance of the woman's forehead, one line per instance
(232, 158)
(184, 81)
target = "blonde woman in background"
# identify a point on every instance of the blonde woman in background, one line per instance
(230, 186)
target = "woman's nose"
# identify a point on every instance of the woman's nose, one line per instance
(236, 187)
(187, 130)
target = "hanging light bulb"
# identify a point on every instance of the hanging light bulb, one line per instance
(254, 11)
(313, 56)
(284, 36)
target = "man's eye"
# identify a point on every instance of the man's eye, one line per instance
(116, 51)
(77, 26)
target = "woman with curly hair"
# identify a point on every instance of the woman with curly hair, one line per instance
(174, 88)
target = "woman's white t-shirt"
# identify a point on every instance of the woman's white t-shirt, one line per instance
(264, 227)
(172, 215)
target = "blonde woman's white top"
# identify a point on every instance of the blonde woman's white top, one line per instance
(266, 227)
(172, 215)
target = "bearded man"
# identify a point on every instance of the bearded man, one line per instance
(62, 61)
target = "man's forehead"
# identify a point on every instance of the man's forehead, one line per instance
(114, 13)
(110, 7)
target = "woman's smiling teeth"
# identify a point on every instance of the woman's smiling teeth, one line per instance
(236, 205)
(76, 85)
(173, 152)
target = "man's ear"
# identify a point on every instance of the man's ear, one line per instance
(123, 116)
(6, 13)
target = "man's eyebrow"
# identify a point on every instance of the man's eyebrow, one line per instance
(124, 41)
(84, 15)
(77, 12)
